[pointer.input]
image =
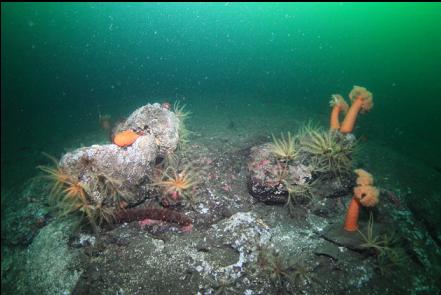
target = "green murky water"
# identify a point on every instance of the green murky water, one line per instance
(60, 61)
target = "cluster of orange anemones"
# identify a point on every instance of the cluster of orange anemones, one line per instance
(364, 194)
(362, 102)
(177, 184)
(364, 178)
(75, 190)
(338, 104)
(63, 184)
(57, 176)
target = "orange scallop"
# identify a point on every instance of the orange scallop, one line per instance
(125, 138)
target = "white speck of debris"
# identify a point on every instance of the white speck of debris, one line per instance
(240, 218)
(248, 292)
(203, 209)
(363, 277)
(159, 245)
(317, 223)
(211, 193)
(342, 249)
(87, 238)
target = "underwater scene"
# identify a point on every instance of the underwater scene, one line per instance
(220, 148)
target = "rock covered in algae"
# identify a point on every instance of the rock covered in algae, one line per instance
(267, 174)
(158, 121)
(269, 178)
(104, 170)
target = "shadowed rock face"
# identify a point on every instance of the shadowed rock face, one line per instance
(267, 176)
(106, 169)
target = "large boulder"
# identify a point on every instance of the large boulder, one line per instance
(158, 121)
(269, 178)
(266, 175)
(108, 171)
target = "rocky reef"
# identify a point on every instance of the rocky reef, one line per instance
(266, 217)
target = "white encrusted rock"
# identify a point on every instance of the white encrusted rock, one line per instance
(107, 169)
(158, 121)
(265, 170)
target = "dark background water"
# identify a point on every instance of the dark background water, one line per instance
(61, 61)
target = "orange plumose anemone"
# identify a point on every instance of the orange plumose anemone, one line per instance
(367, 195)
(125, 138)
(337, 104)
(364, 195)
(362, 102)
(351, 220)
(364, 177)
